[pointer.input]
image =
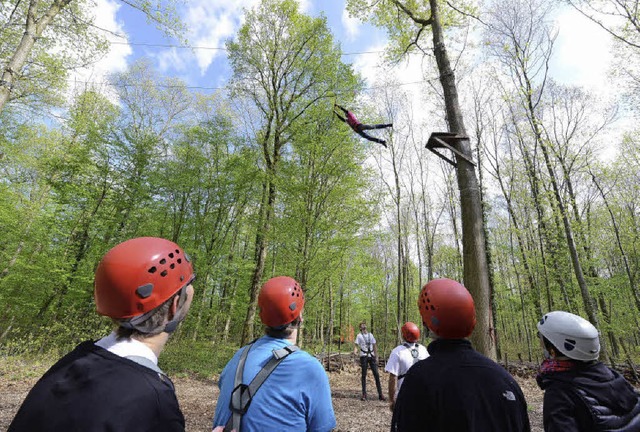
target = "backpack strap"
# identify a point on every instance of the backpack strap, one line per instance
(242, 394)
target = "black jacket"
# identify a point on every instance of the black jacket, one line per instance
(92, 389)
(457, 389)
(590, 397)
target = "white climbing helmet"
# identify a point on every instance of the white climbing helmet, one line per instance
(572, 335)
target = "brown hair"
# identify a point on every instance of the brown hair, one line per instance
(284, 332)
(154, 322)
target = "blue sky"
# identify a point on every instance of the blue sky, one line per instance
(211, 22)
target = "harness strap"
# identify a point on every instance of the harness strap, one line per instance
(242, 394)
(367, 341)
(414, 353)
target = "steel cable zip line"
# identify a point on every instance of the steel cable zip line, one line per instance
(168, 86)
(196, 47)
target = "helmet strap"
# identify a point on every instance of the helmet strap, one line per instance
(181, 312)
(142, 324)
(139, 323)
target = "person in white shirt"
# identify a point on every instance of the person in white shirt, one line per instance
(368, 357)
(402, 358)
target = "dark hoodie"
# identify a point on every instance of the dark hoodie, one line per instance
(589, 397)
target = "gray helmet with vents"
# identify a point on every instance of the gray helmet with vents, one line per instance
(572, 335)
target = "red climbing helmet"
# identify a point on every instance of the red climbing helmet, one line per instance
(410, 332)
(280, 300)
(447, 309)
(139, 275)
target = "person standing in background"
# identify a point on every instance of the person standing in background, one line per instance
(366, 344)
(402, 358)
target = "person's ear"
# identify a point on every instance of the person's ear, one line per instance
(173, 308)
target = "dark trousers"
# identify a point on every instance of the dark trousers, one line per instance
(364, 361)
(363, 127)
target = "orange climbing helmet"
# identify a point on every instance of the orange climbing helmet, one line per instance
(410, 332)
(280, 301)
(139, 275)
(447, 309)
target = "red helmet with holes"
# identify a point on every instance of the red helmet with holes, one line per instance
(139, 275)
(280, 300)
(447, 309)
(410, 332)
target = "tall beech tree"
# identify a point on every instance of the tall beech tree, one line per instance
(41, 40)
(407, 23)
(283, 62)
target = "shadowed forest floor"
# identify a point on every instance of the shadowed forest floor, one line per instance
(198, 398)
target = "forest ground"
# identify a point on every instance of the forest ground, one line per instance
(198, 397)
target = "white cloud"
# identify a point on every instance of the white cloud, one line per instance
(305, 6)
(351, 25)
(172, 60)
(210, 23)
(115, 60)
(583, 56)
(582, 53)
(368, 64)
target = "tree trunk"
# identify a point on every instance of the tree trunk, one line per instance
(260, 257)
(476, 270)
(625, 259)
(32, 31)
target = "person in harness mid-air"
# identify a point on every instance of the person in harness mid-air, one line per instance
(270, 384)
(402, 358)
(360, 128)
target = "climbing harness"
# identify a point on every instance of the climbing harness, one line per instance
(367, 341)
(242, 394)
(414, 353)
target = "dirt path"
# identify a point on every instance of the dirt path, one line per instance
(197, 398)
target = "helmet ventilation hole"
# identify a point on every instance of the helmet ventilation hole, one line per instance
(569, 344)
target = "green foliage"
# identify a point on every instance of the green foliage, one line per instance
(63, 38)
(408, 25)
(200, 358)
(167, 162)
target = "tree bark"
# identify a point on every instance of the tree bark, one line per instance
(476, 270)
(33, 30)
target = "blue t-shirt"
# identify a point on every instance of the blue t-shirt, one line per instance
(295, 397)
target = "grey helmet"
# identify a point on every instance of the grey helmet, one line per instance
(572, 335)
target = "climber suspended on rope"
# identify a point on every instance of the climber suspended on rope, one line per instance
(358, 127)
